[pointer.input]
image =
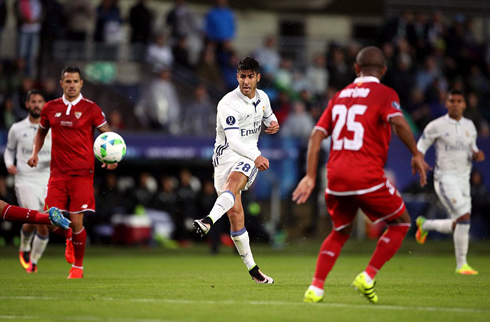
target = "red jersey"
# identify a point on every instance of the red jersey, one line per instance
(72, 127)
(357, 119)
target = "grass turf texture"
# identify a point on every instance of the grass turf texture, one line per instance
(145, 284)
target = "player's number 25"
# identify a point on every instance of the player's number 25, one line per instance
(347, 117)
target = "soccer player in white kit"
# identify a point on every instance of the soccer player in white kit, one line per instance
(454, 138)
(237, 158)
(30, 184)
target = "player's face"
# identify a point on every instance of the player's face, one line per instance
(455, 105)
(248, 82)
(72, 85)
(35, 105)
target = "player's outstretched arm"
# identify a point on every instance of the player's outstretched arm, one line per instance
(306, 185)
(106, 128)
(405, 134)
(38, 144)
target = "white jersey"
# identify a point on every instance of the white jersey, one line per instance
(240, 118)
(19, 149)
(454, 141)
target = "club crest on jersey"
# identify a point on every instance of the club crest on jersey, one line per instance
(230, 120)
(396, 105)
(78, 114)
(57, 115)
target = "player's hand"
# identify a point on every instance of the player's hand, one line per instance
(12, 169)
(478, 156)
(111, 166)
(419, 165)
(303, 190)
(272, 128)
(32, 162)
(261, 163)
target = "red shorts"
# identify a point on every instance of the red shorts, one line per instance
(384, 203)
(71, 193)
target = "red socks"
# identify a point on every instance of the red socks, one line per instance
(388, 245)
(329, 252)
(67, 233)
(14, 213)
(79, 240)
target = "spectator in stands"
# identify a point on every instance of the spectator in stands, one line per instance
(299, 123)
(183, 24)
(397, 27)
(19, 98)
(208, 69)
(229, 72)
(181, 53)
(51, 89)
(199, 114)
(140, 20)
(167, 196)
(115, 120)
(403, 80)
(418, 109)
(268, 56)
(427, 75)
(283, 80)
(340, 73)
(159, 54)
(282, 106)
(145, 192)
(436, 30)
(29, 18)
(187, 199)
(317, 75)
(472, 110)
(7, 117)
(3, 18)
(108, 30)
(220, 23)
(78, 16)
(417, 36)
(159, 106)
(53, 25)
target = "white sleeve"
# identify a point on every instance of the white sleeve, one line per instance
(474, 134)
(9, 155)
(269, 116)
(428, 137)
(233, 138)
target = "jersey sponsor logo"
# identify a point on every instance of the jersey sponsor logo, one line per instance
(78, 114)
(57, 115)
(355, 92)
(396, 105)
(230, 120)
(66, 123)
(245, 132)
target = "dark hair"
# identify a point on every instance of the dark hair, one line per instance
(34, 92)
(456, 92)
(71, 69)
(248, 63)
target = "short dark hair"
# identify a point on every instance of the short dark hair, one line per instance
(34, 92)
(248, 63)
(456, 92)
(71, 69)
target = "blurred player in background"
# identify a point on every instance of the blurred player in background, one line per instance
(454, 138)
(359, 120)
(30, 184)
(72, 120)
(237, 158)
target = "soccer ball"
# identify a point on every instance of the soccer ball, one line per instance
(109, 147)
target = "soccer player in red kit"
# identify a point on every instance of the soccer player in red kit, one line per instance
(72, 119)
(359, 120)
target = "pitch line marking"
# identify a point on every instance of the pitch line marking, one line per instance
(273, 303)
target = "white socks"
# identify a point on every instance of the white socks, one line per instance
(318, 291)
(461, 240)
(25, 241)
(224, 203)
(242, 244)
(444, 226)
(38, 246)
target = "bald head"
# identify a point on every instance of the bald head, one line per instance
(371, 61)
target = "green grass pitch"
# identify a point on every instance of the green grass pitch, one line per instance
(153, 285)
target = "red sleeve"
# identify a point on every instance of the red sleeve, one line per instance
(325, 121)
(44, 123)
(391, 106)
(98, 117)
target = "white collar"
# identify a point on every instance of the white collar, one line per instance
(73, 103)
(366, 79)
(245, 98)
(451, 120)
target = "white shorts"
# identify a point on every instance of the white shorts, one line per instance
(454, 194)
(30, 196)
(235, 164)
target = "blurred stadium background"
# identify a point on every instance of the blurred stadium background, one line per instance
(158, 69)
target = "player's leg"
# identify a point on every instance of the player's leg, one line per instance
(342, 211)
(79, 239)
(26, 235)
(19, 214)
(448, 193)
(39, 244)
(461, 239)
